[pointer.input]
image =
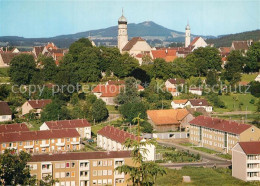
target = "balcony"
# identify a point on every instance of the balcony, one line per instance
(44, 145)
(28, 146)
(47, 170)
(12, 148)
(75, 143)
(60, 144)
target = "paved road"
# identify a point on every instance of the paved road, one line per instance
(208, 160)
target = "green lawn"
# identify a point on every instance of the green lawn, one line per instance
(203, 149)
(200, 176)
(96, 128)
(112, 110)
(249, 77)
(237, 102)
(250, 117)
(186, 144)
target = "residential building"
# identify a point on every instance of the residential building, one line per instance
(169, 119)
(5, 59)
(6, 128)
(195, 90)
(197, 43)
(82, 168)
(219, 134)
(34, 106)
(168, 54)
(113, 139)
(257, 78)
(241, 45)
(180, 103)
(174, 92)
(81, 125)
(199, 103)
(246, 161)
(5, 112)
(174, 83)
(41, 141)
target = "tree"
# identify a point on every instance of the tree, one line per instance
(146, 127)
(255, 88)
(130, 110)
(253, 58)
(141, 172)
(129, 94)
(160, 69)
(211, 78)
(49, 69)
(13, 169)
(22, 69)
(79, 46)
(99, 110)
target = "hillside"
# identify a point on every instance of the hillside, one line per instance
(226, 40)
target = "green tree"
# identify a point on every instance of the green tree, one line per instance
(129, 94)
(160, 69)
(141, 172)
(253, 58)
(212, 78)
(130, 110)
(49, 69)
(14, 170)
(99, 110)
(22, 69)
(79, 46)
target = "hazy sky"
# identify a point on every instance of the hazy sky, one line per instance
(45, 18)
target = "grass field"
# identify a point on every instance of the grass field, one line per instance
(112, 110)
(248, 117)
(200, 176)
(248, 77)
(237, 102)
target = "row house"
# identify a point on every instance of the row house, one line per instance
(220, 135)
(113, 139)
(169, 119)
(13, 128)
(246, 161)
(81, 125)
(192, 103)
(5, 112)
(82, 168)
(35, 106)
(41, 141)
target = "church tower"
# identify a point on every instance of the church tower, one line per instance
(122, 38)
(187, 35)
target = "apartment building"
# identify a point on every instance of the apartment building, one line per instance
(81, 125)
(220, 135)
(13, 127)
(112, 139)
(246, 161)
(82, 168)
(41, 141)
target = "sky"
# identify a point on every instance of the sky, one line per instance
(47, 18)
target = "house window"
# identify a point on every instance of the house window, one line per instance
(68, 139)
(94, 163)
(73, 174)
(57, 175)
(110, 163)
(57, 165)
(72, 164)
(67, 174)
(67, 165)
(109, 172)
(253, 130)
(104, 172)
(10, 144)
(36, 142)
(94, 182)
(4, 145)
(99, 172)
(52, 141)
(94, 173)
(62, 174)
(105, 163)
(99, 163)
(20, 143)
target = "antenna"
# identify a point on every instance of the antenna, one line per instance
(122, 11)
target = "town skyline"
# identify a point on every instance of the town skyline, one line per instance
(203, 17)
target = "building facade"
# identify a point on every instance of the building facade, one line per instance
(5, 112)
(81, 125)
(34, 106)
(246, 161)
(220, 135)
(83, 168)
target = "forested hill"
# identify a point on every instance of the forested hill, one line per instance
(226, 40)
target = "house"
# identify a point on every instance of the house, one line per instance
(6, 58)
(196, 90)
(35, 105)
(174, 92)
(5, 112)
(45, 141)
(168, 54)
(180, 103)
(81, 125)
(224, 51)
(109, 92)
(219, 134)
(82, 168)
(241, 45)
(174, 83)
(112, 139)
(169, 119)
(13, 128)
(199, 103)
(257, 78)
(197, 43)
(246, 161)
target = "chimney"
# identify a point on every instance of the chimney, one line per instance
(37, 101)
(166, 51)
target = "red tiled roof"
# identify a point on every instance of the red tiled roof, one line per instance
(8, 56)
(80, 156)
(131, 43)
(68, 124)
(176, 81)
(37, 135)
(194, 40)
(4, 109)
(38, 50)
(220, 124)
(167, 54)
(13, 127)
(168, 116)
(180, 101)
(199, 102)
(250, 147)
(224, 50)
(38, 104)
(116, 134)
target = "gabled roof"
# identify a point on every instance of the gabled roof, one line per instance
(240, 45)
(39, 104)
(176, 81)
(38, 135)
(131, 43)
(199, 102)
(194, 41)
(250, 147)
(167, 54)
(4, 109)
(224, 50)
(168, 116)
(220, 124)
(80, 156)
(180, 101)
(38, 50)
(68, 124)
(8, 56)
(116, 134)
(13, 127)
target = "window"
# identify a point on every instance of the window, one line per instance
(57, 175)
(4, 145)
(72, 164)
(109, 172)
(67, 174)
(94, 163)
(104, 172)
(62, 165)
(253, 130)
(67, 165)
(68, 139)
(104, 182)
(109, 181)
(52, 141)
(20, 143)
(73, 174)
(36, 142)
(57, 165)
(94, 182)
(94, 173)
(99, 172)
(110, 163)
(74, 139)
(105, 163)
(72, 183)
(10, 144)
(99, 163)
(99, 182)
